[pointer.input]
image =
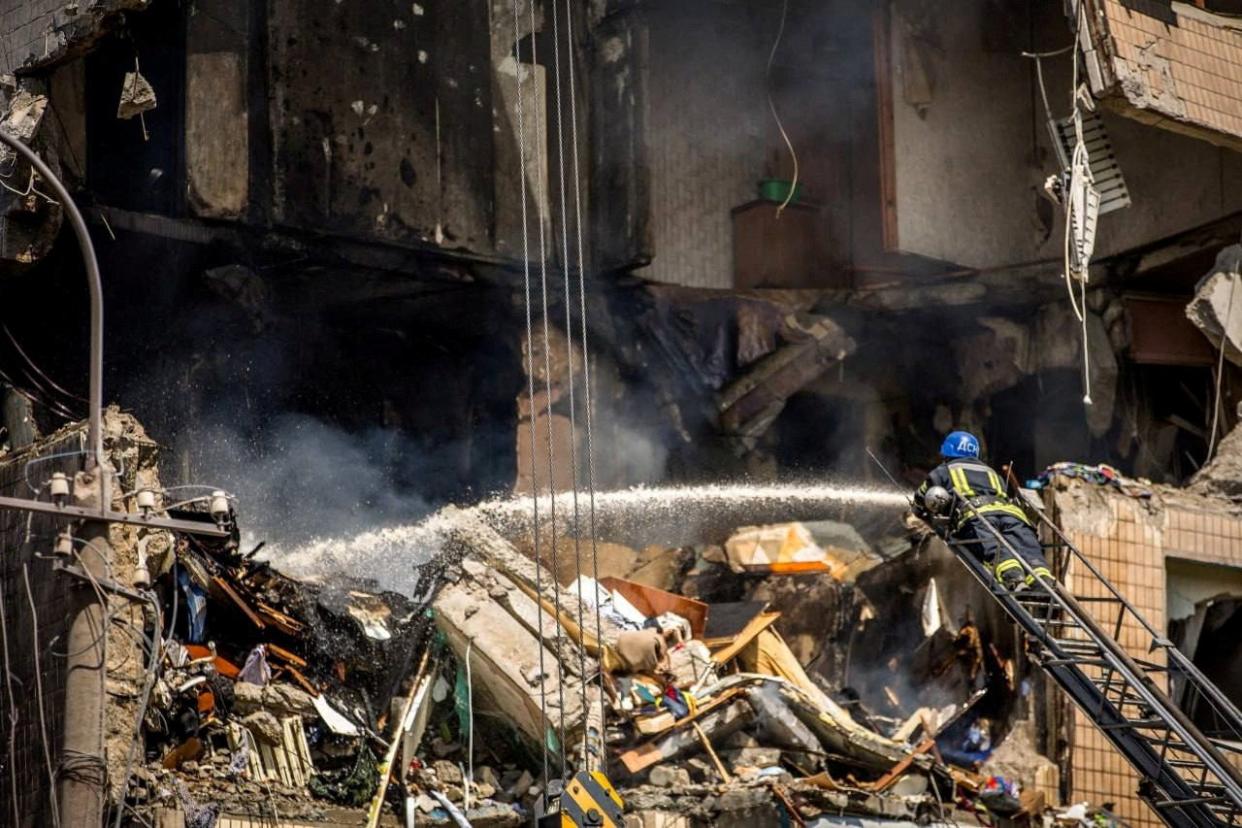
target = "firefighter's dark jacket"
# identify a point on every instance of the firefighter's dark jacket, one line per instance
(976, 484)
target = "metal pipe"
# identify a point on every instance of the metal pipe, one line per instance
(89, 514)
(95, 423)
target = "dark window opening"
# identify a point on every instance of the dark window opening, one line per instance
(1205, 612)
(137, 163)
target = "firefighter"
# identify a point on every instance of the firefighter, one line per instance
(977, 494)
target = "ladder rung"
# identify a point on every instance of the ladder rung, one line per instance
(1080, 661)
(1086, 647)
(1202, 800)
(1134, 724)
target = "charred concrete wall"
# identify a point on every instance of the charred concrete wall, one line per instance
(397, 143)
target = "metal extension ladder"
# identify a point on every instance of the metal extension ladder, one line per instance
(1187, 777)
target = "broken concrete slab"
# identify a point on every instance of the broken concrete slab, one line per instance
(752, 402)
(1222, 475)
(502, 654)
(137, 96)
(1216, 309)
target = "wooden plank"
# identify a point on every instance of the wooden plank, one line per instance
(757, 625)
(718, 722)
(711, 751)
(652, 602)
(281, 654)
(288, 625)
(895, 772)
(227, 588)
(664, 722)
(790, 567)
(302, 680)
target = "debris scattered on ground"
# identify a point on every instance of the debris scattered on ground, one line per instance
(734, 689)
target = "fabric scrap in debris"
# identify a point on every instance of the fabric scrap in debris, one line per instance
(256, 670)
(195, 606)
(1100, 475)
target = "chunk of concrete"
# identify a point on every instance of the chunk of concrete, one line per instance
(1216, 309)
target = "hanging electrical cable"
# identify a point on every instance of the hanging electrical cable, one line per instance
(1079, 216)
(530, 386)
(586, 375)
(569, 357)
(547, 369)
(793, 155)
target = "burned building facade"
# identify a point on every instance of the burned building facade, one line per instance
(282, 205)
(813, 231)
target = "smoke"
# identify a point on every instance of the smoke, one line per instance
(635, 457)
(297, 477)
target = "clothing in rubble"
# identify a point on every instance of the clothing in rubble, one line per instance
(981, 496)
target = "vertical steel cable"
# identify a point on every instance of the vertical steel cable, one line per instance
(530, 387)
(586, 370)
(547, 368)
(12, 711)
(569, 370)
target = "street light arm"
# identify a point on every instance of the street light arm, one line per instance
(95, 455)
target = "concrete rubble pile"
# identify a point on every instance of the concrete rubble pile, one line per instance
(270, 694)
(802, 672)
(806, 672)
(709, 715)
(810, 676)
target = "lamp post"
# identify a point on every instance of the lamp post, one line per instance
(95, 417)
(80, 798)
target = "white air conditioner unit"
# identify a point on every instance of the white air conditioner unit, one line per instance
(1110, 185)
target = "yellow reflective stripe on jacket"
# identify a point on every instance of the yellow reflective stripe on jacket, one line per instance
(1006, 508)
(1003, 508)
(996, 483)
(960, 483)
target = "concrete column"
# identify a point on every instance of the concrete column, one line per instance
(81, 796)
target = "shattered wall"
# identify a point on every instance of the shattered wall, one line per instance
(969, 130)
(39, 32)
(1172, 65)
(397, 143)
(706, 141)
(1130, 539)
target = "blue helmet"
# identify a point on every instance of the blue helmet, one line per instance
(960, 444)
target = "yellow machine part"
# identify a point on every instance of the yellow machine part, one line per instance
(590, 800)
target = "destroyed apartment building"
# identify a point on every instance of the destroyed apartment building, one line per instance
(490, 411)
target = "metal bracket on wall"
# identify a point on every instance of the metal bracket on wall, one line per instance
(189, 527)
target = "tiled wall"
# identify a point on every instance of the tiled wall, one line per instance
(1189, 68)
(705, 133)
(1128, 540)
(32, 31)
